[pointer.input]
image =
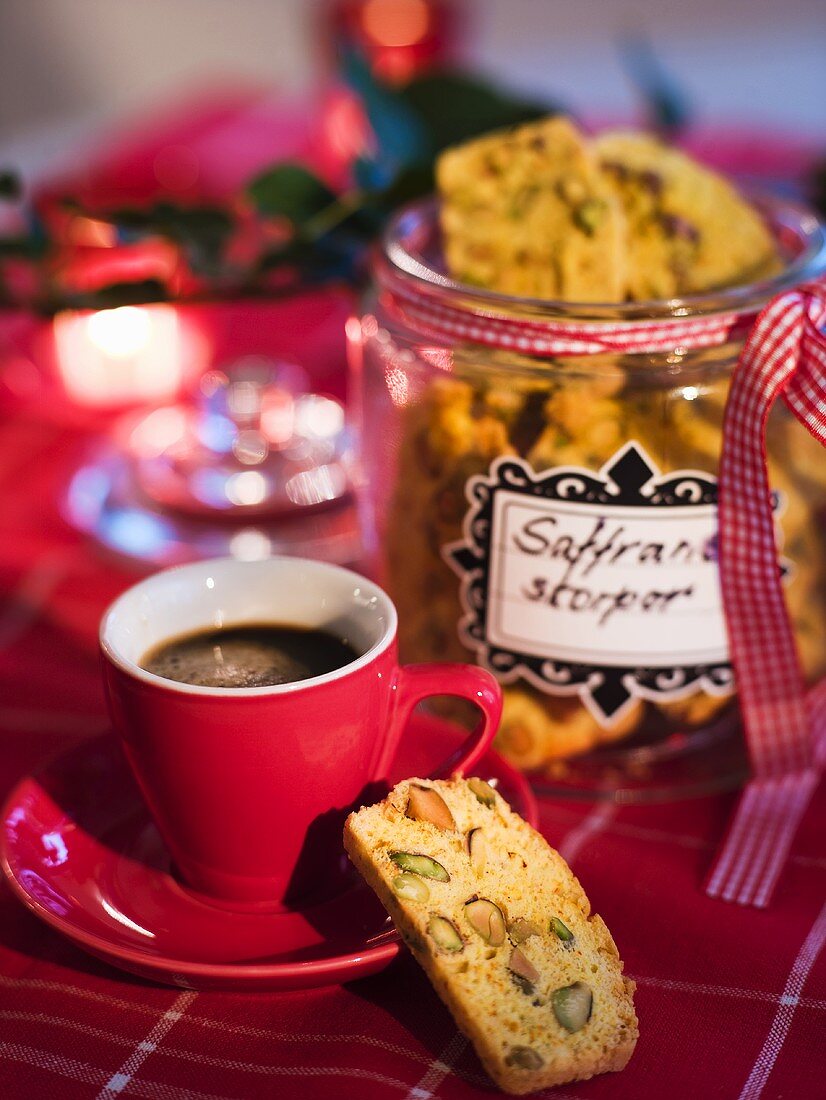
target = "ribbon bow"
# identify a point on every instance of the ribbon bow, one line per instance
(785, 727)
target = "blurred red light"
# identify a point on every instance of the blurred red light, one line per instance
(396, 22)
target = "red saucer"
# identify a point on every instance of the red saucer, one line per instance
(80, 851)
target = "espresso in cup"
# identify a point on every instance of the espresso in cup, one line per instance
(250, 787)
(250, 655)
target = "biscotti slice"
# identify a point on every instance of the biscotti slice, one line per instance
(688, 230)
(502, 928)
(528, 212)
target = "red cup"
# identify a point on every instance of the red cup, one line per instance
(249, 786)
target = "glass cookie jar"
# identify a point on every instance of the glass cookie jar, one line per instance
(540, 495)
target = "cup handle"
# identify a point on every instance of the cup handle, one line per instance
(417, 682)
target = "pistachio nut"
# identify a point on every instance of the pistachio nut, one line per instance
(425, 804)
(572, 1005)
(524, 1058)
(444, 934)
(522, 929)
(410, 887)
(483, 791)
(562, 930)
(477, 847)
(420, 865)
(486, 920)
(590, 215)
(522, 967)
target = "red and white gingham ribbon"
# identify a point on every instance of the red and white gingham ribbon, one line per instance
(785, 730)
(440, 321)
(784, 353)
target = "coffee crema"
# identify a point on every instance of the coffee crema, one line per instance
(252, 655)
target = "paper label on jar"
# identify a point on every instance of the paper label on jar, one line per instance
(598, 584)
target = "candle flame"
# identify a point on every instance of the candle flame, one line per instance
(120, 332)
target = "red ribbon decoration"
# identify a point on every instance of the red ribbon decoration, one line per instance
(785, 729)
(558, 337)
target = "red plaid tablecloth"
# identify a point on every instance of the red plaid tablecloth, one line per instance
(731, 1001)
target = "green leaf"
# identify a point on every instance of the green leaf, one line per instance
(290, 191)
(456, 106)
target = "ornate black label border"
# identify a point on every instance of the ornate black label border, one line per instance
(628, 479)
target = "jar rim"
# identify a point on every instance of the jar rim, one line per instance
(410, 241)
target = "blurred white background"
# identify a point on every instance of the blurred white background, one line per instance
(68, 65)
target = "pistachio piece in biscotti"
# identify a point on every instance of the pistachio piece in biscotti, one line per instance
(486, 920)
(419, 864)
(523, 972)
(572, 1005)
(425, 804)
(444, 934)
(521, 929)
(410, 887)
(524, 1058)
(483, 791)
(561, 931)
(477, 850)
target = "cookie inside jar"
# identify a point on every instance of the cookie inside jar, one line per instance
(543, 485)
